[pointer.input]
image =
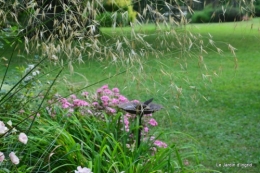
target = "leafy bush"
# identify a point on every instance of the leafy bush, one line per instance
(228, 15)
(257, 10)
(217, 15)
(105, 19)
(201, 16)
(108, 19)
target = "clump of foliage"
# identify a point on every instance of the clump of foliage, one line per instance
(108, 19)
(84, 132)
(121, 7)
(221, 14)
(202, 16)
(256, 11)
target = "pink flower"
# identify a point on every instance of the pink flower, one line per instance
(153, 122)
(73, 96)
(152, 138)
(107, 92)
(99, 91)
(3, 129)
(65, 103)
(115, 90)
(14, 159)
(135, 101)
(146, 129)
(2, 157)
(126, 122)
(23, 138)
(114, 102)
(78, 103)
(110, 110)
(95, 104)
(105, 98)
(160, 144)
(104, 87)
(82, 170)
(85, 94)
(128, 115)
(122, 99)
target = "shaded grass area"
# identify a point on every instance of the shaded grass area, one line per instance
(221, 112)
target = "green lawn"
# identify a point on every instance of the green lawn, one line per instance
(218, 114)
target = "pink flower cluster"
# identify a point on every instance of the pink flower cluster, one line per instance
(160, 144)
(106, 100)
(73, 103)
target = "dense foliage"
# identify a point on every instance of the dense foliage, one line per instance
(220, 14)
(88, 131)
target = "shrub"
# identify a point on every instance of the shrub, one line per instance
(231, 14)
(201, 16)
(105, 19)
(257, 10)
(120, 11)
(108, 19)
(217, 15)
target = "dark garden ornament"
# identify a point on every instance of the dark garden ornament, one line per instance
(140, 109)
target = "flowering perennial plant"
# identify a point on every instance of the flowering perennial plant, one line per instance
(104, 105)
(22, 138)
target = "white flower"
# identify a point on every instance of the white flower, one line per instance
(23, 138)
(2, 157)
(30, 67)
(27, 78)
(3, 129)
(83, 170)
(35, 73)
(14, 130)
(9, 123)
(15, 160)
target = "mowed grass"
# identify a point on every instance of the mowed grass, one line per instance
(228, 124)
(217, 114)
